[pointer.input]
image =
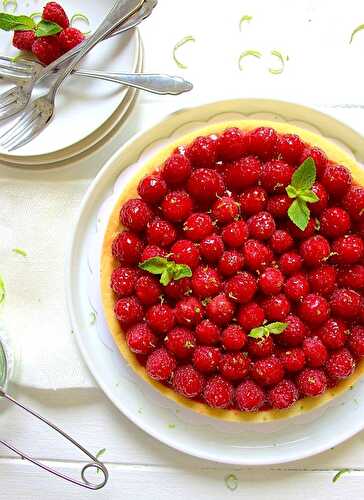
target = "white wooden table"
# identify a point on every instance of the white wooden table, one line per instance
(322, 71)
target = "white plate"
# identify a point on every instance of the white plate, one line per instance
(83, 105)
(236, 443)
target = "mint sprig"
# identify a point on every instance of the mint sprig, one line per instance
(300, 190)
(47, 28)
(168, 269)
(261, 332)
(10, 22)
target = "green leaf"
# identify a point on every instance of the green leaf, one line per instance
(166, 277)
(2, 290)
(259, 333)
(154, 265)
(309, 196)
(9, 22)
(299, 214)
(181, 271)
(305, 175)
(277, 327)
(47, 28)
(339, 474)
(168, 270)
(291, 191)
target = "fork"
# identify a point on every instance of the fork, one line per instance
(16, 99)
(40, 111)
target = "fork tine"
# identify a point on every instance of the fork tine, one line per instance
(16, 132)
(15, 68)
(6, 100)
(23, 63)
(27, 133)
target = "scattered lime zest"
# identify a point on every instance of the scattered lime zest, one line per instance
(231, 482)
(10, 2)
(282, 59)
(179, 44)
(247, 53)
(19, 251)
(244, 19)
(2, 290)
(100, 453)
(93, 317)
(80, 17)
(339, 474)
(171, 426)
(357, 29)
(261, 332)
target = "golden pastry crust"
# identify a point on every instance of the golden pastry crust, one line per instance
(108, 263)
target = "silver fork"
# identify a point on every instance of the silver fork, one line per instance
(16, 99)
(40, 111)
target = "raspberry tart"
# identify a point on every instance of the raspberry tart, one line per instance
(232, 271)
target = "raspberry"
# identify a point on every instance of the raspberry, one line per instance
(296, 287)
(295, 332)
(207, 332)
(315, 250)
(315, 352)
(333, 333)
(298, 234)
(47, 49)
(161, 232)
(320, 205)
(260, 348)
(249, 396)
(250, 316)
(242, 173)
(276, 175)
(257, 255)
(290, 148)
(268, 371)
(340, 365)
(225, 210)
(253, 200)
(152, 189)
(205, 282)
(176, 170)
(352, 277)
(135, 215)
(206, 359)
(220, 310)
(314, 309)
(23, 40)
(160, 318)
(322, 279)
(337, 180)
(123, 281)
(241, 287)
(334, 222)
(318, 156)
(281, 241)
(187, 381)
(128, 311)
(178, 289)
(348, 249)
(205, 185)
(202, 152)
(233, 338)
(151, 251)
(263, 142)
(283, 395)
(231, 144)
(261, 226)
(218, 392)
(271, 281)
(356, 341)
(148, 290)
(278, 205)
(290, 263)
(234, 366)
(353, 202)
(212, 248)
(70, 38)
(230, 263)
(293, 359)
(198, 226)
(177, 206)
(311, 382)
(185, 252)
(53, 12)
(345, 303)
(276, 308)
(181, 342)
(140, 339)
(160, 365)
(189, 311)
(235, 234)
(127, 248)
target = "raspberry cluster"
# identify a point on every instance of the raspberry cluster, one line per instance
(219, 206)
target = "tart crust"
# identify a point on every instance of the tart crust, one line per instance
(108, 263)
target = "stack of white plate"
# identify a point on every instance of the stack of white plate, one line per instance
(89, 112)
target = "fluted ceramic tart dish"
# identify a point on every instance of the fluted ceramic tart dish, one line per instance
(232, 271)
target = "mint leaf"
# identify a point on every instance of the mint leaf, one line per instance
(292, 191)
(299, 214)
(309, 196)
(264, 331)
(305, 175)
(166, 277)
(181, 271)
(154, 265)
(168, 270)
(259, 333)
(277, 327)
(47, 28)
(9, 22)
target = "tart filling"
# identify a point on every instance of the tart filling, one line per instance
(232, 271)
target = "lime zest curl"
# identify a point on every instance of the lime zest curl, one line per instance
(186, 39)
(10, 2)
(282, 59)
(79, 16)
(244, 19)
(247, 53)
(357, 29)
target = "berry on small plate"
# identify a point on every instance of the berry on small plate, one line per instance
(238, 324)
